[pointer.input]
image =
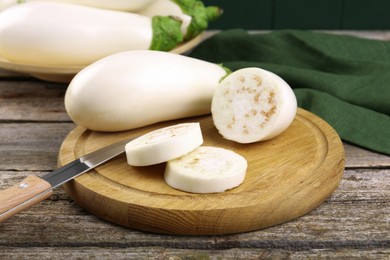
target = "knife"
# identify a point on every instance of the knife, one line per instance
(33, 189)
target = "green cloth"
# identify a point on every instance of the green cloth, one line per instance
(343, 79)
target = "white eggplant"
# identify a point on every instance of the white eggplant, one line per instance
(120, 5)
(253, 104)
(207, 169)
(193, 13)
(45, 33)
(137, 88)
(164, 144)
(4, 4)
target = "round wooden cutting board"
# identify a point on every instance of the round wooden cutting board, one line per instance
(287, 177)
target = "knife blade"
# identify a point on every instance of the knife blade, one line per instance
(33, 189)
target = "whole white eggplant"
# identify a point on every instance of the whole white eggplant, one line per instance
(137, 88)
(120, 5)
(45, 33)
(4, 4)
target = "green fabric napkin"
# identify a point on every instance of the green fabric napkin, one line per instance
(343, 79)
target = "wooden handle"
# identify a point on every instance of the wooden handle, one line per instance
(23, 195)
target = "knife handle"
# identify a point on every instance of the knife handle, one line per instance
(23, 195)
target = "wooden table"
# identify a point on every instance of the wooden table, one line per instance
(353, 223)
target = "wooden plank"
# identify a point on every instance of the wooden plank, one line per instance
(356, 216)
(357, 157)
(364, 185)
(31, 146)
(32, 100)
(108, 252)
(330, 226)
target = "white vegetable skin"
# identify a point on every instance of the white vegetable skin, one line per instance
(253, 105)
(120, 5)
(164, 144)
(47, 33)
(137, 88)
(4, 4)
(207, 169)
(167, 8)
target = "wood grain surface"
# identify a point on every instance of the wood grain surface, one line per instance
(287, 177)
